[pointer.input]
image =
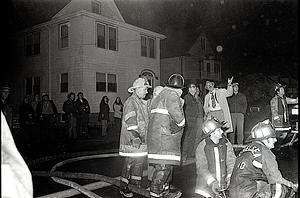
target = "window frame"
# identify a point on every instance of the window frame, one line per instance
(107, 39)
(107, 89)
(62, 89)
(33, 86)
(31, 46)
(203, 43)
(67, 24)
(208, 69)
(146, 50)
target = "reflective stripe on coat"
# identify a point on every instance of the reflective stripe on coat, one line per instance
(214, 162)
(135, 119)
(165, 128)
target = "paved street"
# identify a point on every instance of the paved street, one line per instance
(60, 149)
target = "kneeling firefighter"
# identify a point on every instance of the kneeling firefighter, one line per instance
(256, 172)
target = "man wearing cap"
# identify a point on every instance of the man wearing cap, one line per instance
(279, 110)
(166, 124)
(215, 103)
(215, 159)
(256, 172)
(5, 108)
(237, 106)
(133, 145)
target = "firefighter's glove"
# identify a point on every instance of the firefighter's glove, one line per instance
(134, 134)
(174, 128)
(215, 187)
(136, 142)
(227, 180)
(295, 187)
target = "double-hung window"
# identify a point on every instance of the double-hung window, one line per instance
(64, 35)
(32, 43)
(106, 82)
(148, 46)
(203, 43)
(32, 85)
(106, 36)
(64, 82)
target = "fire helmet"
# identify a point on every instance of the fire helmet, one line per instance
(176, 81)
(210, 125)
(262, 130)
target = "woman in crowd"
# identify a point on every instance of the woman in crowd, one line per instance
(118, 112)
(104, 114)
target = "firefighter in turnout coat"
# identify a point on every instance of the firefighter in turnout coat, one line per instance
(215, 159)
(166, 125)
(280, 115)
(133, 136)
(255, 172)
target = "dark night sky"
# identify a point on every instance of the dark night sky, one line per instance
(255, 35)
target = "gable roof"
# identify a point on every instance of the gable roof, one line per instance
(32, 12)
(177, 20)
(180, 40)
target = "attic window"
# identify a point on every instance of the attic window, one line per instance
(203, 43)
(96, 7)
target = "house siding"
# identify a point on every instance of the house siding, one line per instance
(82, 58)
(127, 62)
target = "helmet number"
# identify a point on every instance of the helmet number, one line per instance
(242, 165)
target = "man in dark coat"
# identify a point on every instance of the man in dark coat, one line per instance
(71, 113)
(83, 109)
(237, 106)
(192, 113)
(47, 113)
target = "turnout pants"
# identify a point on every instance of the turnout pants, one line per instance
(132, 172)
(162, 176)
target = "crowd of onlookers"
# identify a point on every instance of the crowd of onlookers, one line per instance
(42, 112)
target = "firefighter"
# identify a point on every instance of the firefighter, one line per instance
(215, 159)
(280, 115)
(255, 172)
(166, 125)
(133, 136)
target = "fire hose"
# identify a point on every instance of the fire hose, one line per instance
(57, 176)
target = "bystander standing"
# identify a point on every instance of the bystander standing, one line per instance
(191, 111)
(237, 106)
(71, 114)
(104, 115)
(47, 114)
(118, 113)
(83, 109)
(215, 103)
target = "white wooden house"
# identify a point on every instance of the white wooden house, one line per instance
(84, 47)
